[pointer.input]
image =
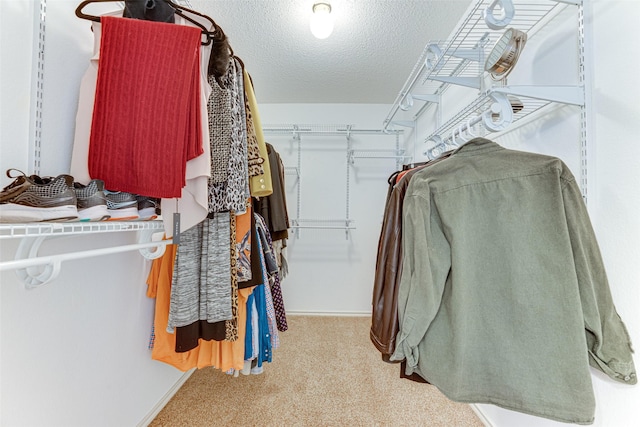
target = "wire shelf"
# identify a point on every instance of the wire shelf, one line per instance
(322, 129)
(9, 231)
(332, 224)
(460, 59)
(35, 270)
(378, 154)
(480, 106)
(319, 129)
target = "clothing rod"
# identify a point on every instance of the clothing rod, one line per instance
(382, 150)
(326, 227)
(463, 127)
(280, 131)
(380, 157)
(53, 259)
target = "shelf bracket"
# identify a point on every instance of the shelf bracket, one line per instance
(471, 54)
(573, 95)
(426, 97)
(572, 2)
(34, 270)
(405, 123)
(473, 82)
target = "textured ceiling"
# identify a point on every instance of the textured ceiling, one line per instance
(367, 59)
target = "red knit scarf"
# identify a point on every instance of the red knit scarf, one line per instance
(146, 116)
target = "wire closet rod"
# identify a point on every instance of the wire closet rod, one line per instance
(56, 259)
(323, 130)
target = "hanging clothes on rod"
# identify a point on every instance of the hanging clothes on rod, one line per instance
(273, 208)
(384, 313)
(204, 286)
(231, 355)
(503, 297)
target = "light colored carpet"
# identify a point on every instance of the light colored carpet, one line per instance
(325, 373)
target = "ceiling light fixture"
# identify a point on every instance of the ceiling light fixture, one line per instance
(321, 21)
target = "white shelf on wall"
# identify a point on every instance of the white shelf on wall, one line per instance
(323, 129)
(34, 270)
(323, 224)
(346, 131)
(397, 154)
(460, 59)
(35, 229)
(488, 105)
(292, 170)
(329, 224)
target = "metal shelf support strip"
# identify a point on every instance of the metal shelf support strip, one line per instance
(348, 181)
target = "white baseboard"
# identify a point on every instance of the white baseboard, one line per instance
(330, 313)
(167, 397)
(480, 415)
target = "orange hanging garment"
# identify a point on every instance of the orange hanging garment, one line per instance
(159, 287)
(223, 355)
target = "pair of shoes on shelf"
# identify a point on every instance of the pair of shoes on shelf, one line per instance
(97, 204)
(148, 207)
(125, 206)
(33, 199)
(92, 201)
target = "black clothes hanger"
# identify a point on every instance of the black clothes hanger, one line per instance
(158, 11)
(392, 178)
(179, 10)
(413, 165)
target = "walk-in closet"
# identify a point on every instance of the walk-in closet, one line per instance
(319, 213)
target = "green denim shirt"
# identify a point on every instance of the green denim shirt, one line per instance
(504, 297)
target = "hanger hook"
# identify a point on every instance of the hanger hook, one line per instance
(470, 128)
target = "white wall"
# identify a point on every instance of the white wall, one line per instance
(328, 272)
(613, 167)
(74, 352)
(16, 49)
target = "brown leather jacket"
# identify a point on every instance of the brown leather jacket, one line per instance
(384, 313)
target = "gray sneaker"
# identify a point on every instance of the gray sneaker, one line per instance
(92, 202)
(33, 199)
(122, 206)
(148, 207)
